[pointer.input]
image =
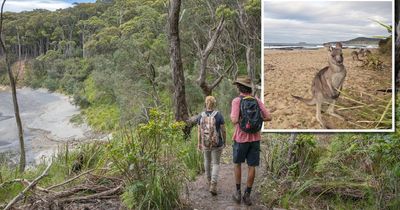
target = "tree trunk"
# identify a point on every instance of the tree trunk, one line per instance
(19, 58)
(250, 67)
(14, 95)
(203, 57)
(180, 105)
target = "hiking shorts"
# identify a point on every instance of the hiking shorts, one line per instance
(249, 151)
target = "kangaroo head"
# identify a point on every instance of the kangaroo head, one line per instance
(335, 55)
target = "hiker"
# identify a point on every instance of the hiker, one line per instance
(247, 114)
(211, 140)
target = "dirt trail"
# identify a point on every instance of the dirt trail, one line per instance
(200, 197)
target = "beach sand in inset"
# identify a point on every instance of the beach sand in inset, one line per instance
(291, 72)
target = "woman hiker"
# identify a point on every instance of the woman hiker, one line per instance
(211, 140)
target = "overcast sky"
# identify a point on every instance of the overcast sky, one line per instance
(323, 21)
(27, 5)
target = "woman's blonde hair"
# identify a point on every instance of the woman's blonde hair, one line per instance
(210, 102)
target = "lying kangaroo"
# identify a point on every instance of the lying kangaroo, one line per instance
(327, 84)
(355, 54)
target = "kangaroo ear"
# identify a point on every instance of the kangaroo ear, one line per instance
(330, 48)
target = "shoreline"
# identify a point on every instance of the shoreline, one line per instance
(4, 88)
(43, 137)
(309, 48)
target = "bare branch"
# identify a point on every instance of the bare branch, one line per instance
(214, 38)
(204, 55)
(30, 186)
(70, 180)
(101, 195)
(219, 79)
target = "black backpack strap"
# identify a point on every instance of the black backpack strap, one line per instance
(240, 105)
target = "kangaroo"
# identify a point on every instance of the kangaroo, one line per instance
(355, 54)
(327, 84)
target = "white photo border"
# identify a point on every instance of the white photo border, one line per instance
(264, 130)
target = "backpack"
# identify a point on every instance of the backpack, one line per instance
(250, 115)
(208, 130)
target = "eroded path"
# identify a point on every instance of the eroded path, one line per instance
(200, 198)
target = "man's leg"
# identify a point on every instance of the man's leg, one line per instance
(250, 176)
(253, 160)
(238, 175)
(239, 156)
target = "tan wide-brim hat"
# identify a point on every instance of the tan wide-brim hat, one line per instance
(243, 80)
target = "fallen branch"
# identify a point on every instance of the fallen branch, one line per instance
(25, 182)
(30, 186)
(70, 180)
(74, 178)
(68, 193)
(102, 195)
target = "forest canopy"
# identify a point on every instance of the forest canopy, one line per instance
(113, 57)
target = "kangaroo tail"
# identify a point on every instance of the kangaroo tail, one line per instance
(304, 100)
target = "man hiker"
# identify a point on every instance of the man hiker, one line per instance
(211, 140)
(247, 114)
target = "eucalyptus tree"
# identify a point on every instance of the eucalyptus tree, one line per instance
(180, 105)
(22, 160)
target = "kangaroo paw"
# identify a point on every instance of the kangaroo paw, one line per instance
(323, 126)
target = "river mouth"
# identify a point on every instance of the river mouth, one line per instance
(46, 123)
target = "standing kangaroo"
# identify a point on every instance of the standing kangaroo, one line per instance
(327, 84)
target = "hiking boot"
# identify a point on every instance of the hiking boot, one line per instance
(237, 197)
(213, 188)
(246, 199)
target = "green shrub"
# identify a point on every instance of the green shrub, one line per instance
(149, 157)
(103, 117)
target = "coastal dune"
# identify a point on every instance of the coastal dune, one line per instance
(289, 72)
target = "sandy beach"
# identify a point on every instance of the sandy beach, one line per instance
(46, 123)
(289, 72)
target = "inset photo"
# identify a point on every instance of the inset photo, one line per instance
(328, 66)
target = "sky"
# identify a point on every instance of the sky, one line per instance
(28, 5)
(323, 21)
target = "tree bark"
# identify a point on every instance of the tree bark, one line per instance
(14, 96)
(180, 105)
(19, 58)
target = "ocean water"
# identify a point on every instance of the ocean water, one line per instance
(307, 46)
